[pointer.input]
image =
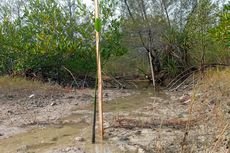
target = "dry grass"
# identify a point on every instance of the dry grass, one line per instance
(22, 86)
(22, 83)
(211, 98)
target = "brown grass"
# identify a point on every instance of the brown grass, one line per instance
(22, 83)
(211, 98)
(22, 86)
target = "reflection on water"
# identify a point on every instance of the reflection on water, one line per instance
(40, 140)
(43, 139)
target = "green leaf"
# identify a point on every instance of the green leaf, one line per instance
(97, 25)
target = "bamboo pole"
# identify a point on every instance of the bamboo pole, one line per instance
(100, 90)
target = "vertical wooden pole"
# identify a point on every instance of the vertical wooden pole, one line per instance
(151, 59)
(94, 113)
(151, 68)
(100, 90)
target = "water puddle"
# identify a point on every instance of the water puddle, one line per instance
(42, 139)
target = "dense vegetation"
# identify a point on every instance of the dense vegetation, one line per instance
(51, 38)
(178, 34)
(48, 37)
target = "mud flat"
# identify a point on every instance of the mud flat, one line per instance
(36, 122)
(142, 121)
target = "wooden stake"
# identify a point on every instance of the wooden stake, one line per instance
(152, 71)
(94, 113)
(100, 91)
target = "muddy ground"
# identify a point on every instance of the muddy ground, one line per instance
(142, 121)
(21, 109)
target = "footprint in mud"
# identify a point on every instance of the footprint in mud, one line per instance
(54, 139)
(66, 135)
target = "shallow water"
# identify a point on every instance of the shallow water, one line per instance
(43, 139)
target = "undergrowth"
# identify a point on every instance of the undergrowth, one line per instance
(210, 102)
(21, 85)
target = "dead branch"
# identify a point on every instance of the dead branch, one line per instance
(181, 75)
(173, 123)
(71, 75)
(118, 82)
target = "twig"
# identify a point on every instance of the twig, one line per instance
(176, 78)
(219, 137)
(134, 85)
(187, 74)
(114, 79)
(181, 84)
(190, 111)
(71, 75)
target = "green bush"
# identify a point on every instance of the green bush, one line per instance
(48, 36)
